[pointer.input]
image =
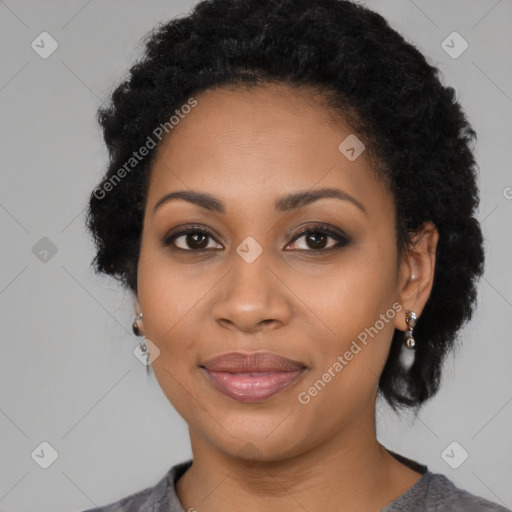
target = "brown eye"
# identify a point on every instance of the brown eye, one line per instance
(193, 240)
(316, 239)
(196, 240)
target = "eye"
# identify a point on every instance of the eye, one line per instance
(196, 239)
(316, 238)
(190, 239)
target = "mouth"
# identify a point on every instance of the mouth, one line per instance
(252, 377)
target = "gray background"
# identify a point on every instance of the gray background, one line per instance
(68, 373)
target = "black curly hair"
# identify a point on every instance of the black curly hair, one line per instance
(413, 127)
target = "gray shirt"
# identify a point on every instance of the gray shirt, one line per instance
(433, 492)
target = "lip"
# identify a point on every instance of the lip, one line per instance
(252, 377)
(240, 362)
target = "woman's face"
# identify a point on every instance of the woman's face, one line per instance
(256, 283)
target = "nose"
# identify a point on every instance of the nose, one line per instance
(252, 297)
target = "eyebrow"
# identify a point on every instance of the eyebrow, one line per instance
(285, 203)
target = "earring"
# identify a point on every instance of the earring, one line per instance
(142, 345)
(410, 318)
(144, 351)
(407, 353)
(135, 325)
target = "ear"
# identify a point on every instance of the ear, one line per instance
(416, 273)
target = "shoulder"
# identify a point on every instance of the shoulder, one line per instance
(434, 492)
(132, 503)
(444, 496)
(162, 497)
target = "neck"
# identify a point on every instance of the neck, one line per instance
(351, 470)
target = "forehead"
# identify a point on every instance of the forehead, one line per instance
(240, 143)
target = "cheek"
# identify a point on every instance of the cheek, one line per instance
(163, 289)
(159, 293)
(167, 300)
(357, 319)
(352, 295)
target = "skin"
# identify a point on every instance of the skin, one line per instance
(247, 148)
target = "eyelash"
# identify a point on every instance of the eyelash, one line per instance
(323, 229)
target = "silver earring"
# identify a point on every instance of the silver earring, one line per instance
(144, 351)
(142, 345)
(407, 353)
(410, 318)
(135, 325)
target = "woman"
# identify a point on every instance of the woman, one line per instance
(290, 197)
